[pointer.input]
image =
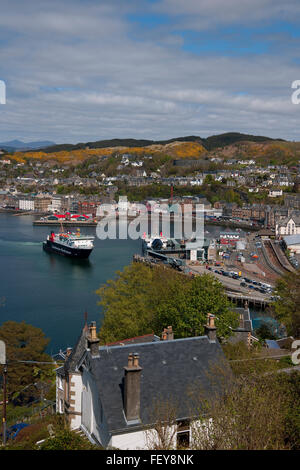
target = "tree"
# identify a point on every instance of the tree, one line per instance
(264, 331)
(187, 308)
(252, 405)
(25, 343)
(162, 435)
(286, 309)
(251, 415)
(146, 299)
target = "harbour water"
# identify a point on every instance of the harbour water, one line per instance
(50, 291)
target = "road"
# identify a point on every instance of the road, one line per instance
(230, 284)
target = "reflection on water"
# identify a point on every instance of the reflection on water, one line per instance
(66, 262)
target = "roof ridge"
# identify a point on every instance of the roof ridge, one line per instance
(106, 346)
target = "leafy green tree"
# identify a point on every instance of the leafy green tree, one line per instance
(286, 309)
(145, 299)
(25, 343)
(186, 310)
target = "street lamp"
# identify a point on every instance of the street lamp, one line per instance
(3, 362)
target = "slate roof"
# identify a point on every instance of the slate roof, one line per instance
(77, 352)
(175, 371)
(292, 239)
(294, 217)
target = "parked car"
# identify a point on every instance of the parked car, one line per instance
(14, 430)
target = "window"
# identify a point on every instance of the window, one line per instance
(60, 383)
(61, 406)
(183, 434)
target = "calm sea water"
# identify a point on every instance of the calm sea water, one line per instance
(50, 291)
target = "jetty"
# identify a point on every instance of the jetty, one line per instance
(68, 223)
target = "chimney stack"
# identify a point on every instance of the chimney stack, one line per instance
(167, 334)
(132, 388)
(93, 340)
(210, 328)
(68, 352)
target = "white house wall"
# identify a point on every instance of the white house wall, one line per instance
(75, 400)
(130, 441)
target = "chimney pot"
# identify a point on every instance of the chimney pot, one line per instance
(93, 340)
(211, 321)
(130, 360)
(68, 352)
(93, 330)
(167, 334)
(135, 360)
(210, 328)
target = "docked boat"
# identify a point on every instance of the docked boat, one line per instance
(74, 245)
(156, 242)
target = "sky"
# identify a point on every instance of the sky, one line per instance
(84, 70)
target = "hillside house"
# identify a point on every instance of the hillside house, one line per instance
(111, 392)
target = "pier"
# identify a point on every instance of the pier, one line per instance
(68, 223)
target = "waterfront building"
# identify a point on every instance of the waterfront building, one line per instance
(26, 204)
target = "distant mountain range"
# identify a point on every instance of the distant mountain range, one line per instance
(14, 145)
(209, 143)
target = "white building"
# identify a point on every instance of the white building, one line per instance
(275, 193)
(55, 205)
(288, 226)
(26, 204)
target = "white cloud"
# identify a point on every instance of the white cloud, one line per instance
(77, 71)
